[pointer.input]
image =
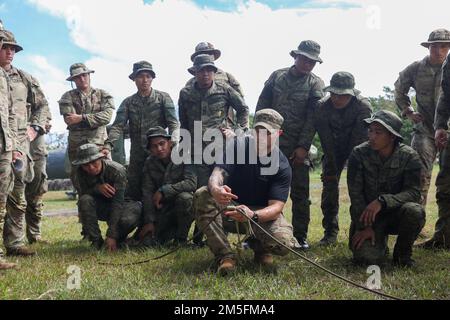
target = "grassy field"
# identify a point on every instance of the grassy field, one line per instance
(189, 273)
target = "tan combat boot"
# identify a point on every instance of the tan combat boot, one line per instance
(20, 251)
(227, 265)
(6, 265)
(264, 259)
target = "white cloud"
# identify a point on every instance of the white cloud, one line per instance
(255, 40)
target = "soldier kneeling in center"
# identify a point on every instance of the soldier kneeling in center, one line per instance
(255, 177)
(384, 187)
(167, 192)
(102, 197)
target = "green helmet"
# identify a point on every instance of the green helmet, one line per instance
(78, 69)
(437, 36)
(87, 153)
(142, 66)
(342, 83)
(389, 120)
(7, 38)
(201, 61)
(309, 49)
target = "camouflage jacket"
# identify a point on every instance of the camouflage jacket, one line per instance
(8, 133)
(294, 97)
(141, 114)
(340, 130)
(224, 77)
(426, 81)
(98, 107)
(38, 147)
(396, 179)
(29, 103)
(114, 174)
(170, 180)
(443, 108)
(210, 107)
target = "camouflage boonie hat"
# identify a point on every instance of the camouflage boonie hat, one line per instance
(269, 119)
(201, 61)
(157, 132)
(78, 69)
(309, 49)
(142, 66)
(8, 38)
(389, 120)
(437, 36)
(87, 153)
(206, 48)
(342, 83)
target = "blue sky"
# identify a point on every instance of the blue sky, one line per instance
(42, 34)
(46, 35)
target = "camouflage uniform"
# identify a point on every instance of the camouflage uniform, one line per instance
(426, 80)
(35, 190)
(442, 230)
(141, 114)
(210, 107)
(96, 107)
(205, 208)
(31, 109)
(295, 97)
(340, 130)
(7, 145)
(177, 183)
(122, 216)
(396, 183)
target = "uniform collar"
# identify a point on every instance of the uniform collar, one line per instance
(392, 162)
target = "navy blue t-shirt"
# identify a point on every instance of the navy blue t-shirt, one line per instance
(247, 179)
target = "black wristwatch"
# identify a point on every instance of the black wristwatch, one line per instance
(255, 217)
(382, 201)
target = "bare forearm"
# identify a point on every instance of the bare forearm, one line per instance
(216, 180)
(271, 212)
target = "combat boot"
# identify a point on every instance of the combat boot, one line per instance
(263, 259)
(38, 240)
(7, 265)
(403, 262)
(402, 256)
(20, 251)
(98, 244)
(431, 244)
(302, 244)
(227, 266)
(328, 240)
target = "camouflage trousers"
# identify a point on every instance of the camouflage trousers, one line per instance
(406, 222)
(6, 184)
(205, 208)
(426, 148)
(442, 229)
(330, 200)
(174, 219)
(300, 201)
(34, 192)
(134, 173)
(91, 209)
(16, 205)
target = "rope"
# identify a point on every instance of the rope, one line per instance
(384, 295)
(230, 208)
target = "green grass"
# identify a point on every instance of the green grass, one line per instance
(189, 274)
